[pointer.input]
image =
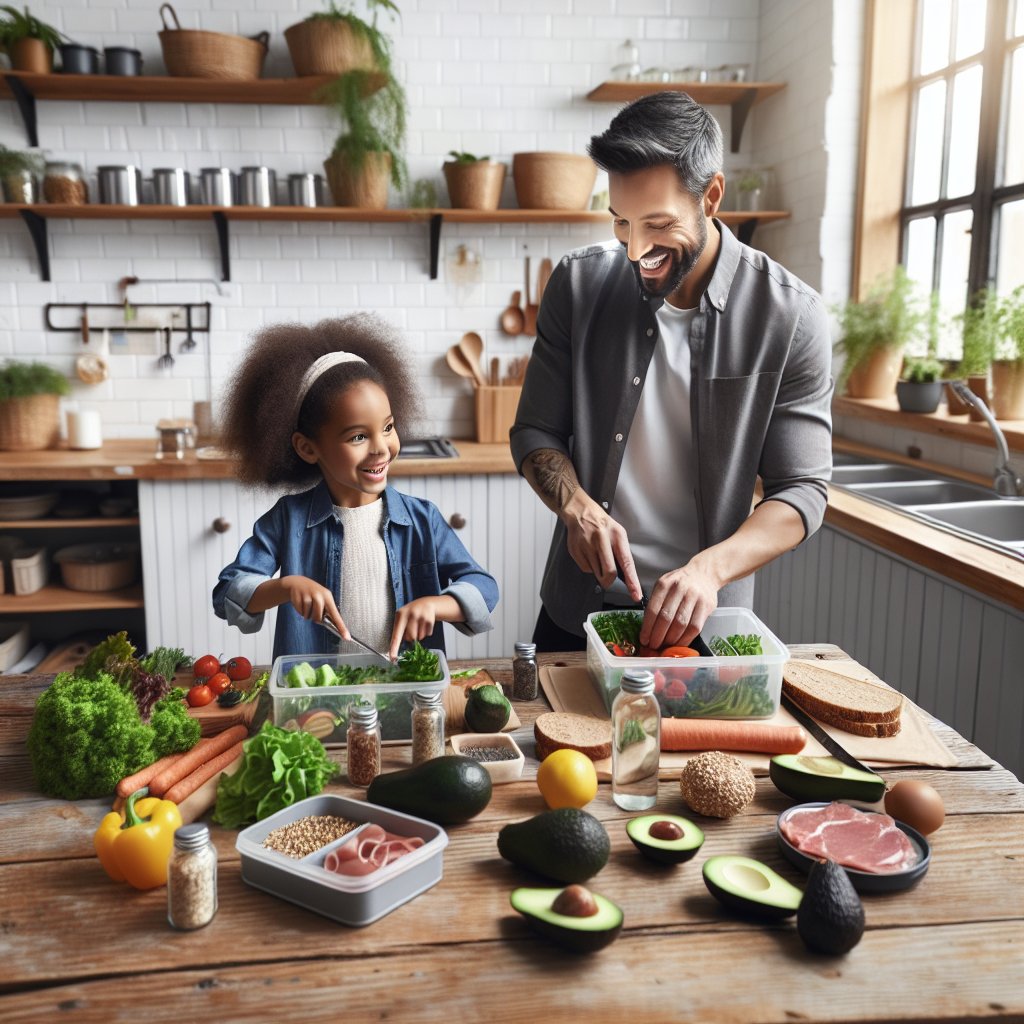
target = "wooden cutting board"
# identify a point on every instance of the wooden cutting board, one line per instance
(455, 702)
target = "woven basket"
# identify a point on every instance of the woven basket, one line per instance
(553, 181)
(190, 53)
(324, 47)
(474, 186)
(97, 567)
(30, 423)
(366, 188)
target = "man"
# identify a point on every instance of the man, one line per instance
(672, 367)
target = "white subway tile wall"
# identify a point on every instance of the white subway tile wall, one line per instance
(487, 76)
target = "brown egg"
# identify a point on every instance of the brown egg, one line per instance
(916, 804)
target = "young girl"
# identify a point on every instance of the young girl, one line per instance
(322, 405)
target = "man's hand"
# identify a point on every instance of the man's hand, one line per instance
(679, 606)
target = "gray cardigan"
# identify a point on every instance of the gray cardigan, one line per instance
(760, 396)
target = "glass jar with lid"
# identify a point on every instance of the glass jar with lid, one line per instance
(427, 726)
(363, 740)
(65, 182)
(192, 878)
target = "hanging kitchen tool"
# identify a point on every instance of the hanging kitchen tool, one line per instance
(543, 276)
(458, 363)
(91, 367)
(166, 361)
(189, 343)
(512, 317)
(495, 371)
(530, 309)
(472, 347)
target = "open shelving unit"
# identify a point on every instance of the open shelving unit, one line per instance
(55, 598)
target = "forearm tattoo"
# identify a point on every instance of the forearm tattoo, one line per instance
(554, 477)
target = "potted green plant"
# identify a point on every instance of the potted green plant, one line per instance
(19, 175)
(874, 333)
(371, 105)
(474, 182)
(334, 41)
(980, 327)
(1008, 366)
(28, 41)
(30, 405)
(750, 189)
(919, 388)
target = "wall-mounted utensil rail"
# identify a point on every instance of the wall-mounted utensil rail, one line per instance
(79, 309)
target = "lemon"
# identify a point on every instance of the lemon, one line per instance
(567, 778)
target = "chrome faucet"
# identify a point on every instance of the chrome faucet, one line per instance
(1007, 484)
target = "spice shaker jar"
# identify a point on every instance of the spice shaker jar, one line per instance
(363, 744)
(192, 878)
(65, 183)
(427, 726)
(524, 672)
(636, 741)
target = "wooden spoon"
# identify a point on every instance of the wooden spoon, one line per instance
(459, 364)
(543, 275)
(512, 317)
(471, 345)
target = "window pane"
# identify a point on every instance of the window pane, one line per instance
(1013, 160)
(970, 28)
(963, 139)
(1010, 271)
(921, 251)
(935, 21)
(1018, 29)
(931, 107)
(954, 260)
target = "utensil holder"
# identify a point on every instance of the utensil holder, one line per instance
(495, 412)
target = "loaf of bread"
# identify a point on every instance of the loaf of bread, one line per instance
(556, 730)
(853, 705)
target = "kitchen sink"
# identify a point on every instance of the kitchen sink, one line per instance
(924, 492)
(999, 519)
(877, 473)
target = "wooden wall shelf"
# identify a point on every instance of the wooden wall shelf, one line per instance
(35, 217)
(72, 524)
(740, 97)
(55, 598)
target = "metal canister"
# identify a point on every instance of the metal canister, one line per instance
(122, 60)
(305, 190)
(172, 186)
(218, 185)
(121, 184)
(257, 186)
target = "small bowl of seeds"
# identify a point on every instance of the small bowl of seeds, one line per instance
(496, 751)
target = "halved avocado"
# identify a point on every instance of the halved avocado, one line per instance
(823, 778)
(750, 887)
(665, 850)
(580, 934)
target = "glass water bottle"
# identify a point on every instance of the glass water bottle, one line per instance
(636, 742)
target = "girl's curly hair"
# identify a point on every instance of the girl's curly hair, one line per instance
(259, 413)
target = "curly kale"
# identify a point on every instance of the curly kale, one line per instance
(115, 648)
(173, 727)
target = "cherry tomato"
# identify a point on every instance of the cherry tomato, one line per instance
(676, 688)
(678, 652)
(218, 683)
(199, 696)
(237, 669)
(205, 666)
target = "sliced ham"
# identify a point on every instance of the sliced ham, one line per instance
(371, 849)
(863, 841)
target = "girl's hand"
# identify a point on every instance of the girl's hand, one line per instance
(417, 619)
(313, 601)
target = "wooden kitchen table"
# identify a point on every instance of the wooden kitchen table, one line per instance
(76, 946)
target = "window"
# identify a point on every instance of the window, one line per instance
(962, 213)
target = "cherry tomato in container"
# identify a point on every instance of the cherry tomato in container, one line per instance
(237, 669)
(199, 696)
(218, 683)
(205, 667)
(678, 652)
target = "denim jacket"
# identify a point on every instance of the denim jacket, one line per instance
(761, 388)
(302, 536)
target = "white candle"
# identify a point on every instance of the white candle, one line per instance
(84, 429)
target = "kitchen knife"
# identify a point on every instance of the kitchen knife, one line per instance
(832, 745)
(331, 628)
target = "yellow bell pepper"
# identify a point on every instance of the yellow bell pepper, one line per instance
(134, 847)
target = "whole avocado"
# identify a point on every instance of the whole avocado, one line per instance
(447, 790)
(568, 845)
(831, 916)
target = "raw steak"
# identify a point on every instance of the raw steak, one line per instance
(864, 841)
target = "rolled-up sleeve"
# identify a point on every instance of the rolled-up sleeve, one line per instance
(796, 461)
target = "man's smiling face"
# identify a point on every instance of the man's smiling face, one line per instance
(664, 230)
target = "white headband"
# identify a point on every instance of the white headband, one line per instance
(320, 366)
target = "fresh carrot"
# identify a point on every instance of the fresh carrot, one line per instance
(141, 778)
(718, 734)
(188, 785)
(202, 752)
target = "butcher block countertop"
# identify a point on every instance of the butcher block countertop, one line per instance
(77, 946)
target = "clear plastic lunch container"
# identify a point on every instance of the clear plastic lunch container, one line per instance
(745, 686)
(323, 710)
(355, 900)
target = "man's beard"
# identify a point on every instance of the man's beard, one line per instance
(680, 267)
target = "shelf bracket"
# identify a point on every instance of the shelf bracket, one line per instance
(27, 105)
(745, 230)
(220, 222)
(436, 220)
(37, 229)
(740, 109)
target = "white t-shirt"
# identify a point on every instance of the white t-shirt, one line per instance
(655, 495)
(367, 599)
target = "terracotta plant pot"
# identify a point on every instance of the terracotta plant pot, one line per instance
(366, 187)
(32, 55)
(956, 405)
(474, 186)
(1008, 389)
(553, 181)
(979, 385)
(875, 376)
(323, 47)
(919, 397)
